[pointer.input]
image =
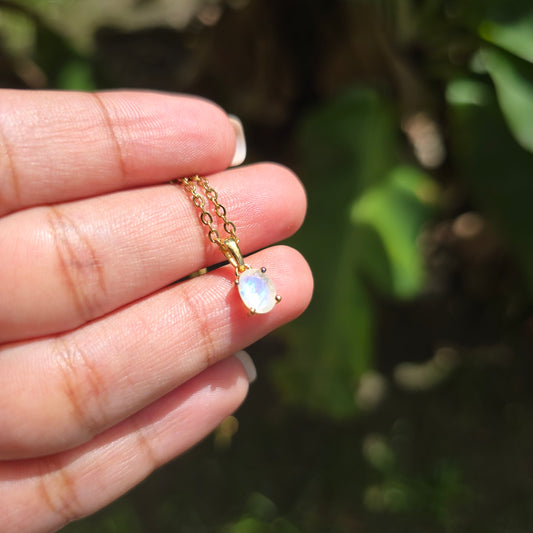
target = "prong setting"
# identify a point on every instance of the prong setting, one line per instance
(256, 290)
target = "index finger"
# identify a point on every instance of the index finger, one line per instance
(60, 146)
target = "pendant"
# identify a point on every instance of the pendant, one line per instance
(255, 288)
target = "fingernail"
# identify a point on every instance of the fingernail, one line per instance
(248, 364)
(240, 142)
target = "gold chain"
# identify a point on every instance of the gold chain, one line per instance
(205, 216)
(257, 300)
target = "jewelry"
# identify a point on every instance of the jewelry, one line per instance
(255, 287)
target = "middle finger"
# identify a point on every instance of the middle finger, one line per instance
(72, 263)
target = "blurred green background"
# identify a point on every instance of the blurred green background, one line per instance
(401, 401)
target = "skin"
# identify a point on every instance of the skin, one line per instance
(107, 368)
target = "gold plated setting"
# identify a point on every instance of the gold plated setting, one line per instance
(255, 287)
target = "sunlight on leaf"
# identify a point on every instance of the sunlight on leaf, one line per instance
(364, 219)
(510, 25)
(346, 146)
(396, 210)
(514, 85)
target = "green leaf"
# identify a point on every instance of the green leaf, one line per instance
(464, 91)
(509, 25)
(396, 211)
(497, 170)
(364, 217)
(261, 516)
(513, 79)
(346, 146)
(76, 75)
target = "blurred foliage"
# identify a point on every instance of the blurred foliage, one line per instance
(401, 400)
(366, 213)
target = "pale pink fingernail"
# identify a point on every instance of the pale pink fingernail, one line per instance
(240, 142)
(248, 364)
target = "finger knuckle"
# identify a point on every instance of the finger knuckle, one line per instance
(57, 491)
(83, 386)
(195, 309)
(144, 442)
(79, 266)
(105, 108)
(10, 182)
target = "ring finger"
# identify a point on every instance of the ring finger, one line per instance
(74, 262)
(57, 393)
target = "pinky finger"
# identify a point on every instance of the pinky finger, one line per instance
(44, 494)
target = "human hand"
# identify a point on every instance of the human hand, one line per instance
(107, 371)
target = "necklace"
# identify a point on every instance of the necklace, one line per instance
(255, 288)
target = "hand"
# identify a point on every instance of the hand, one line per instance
(107, 370)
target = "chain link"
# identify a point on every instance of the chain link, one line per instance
(229, 246)
(205, 216)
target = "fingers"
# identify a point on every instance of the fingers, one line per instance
(57, 393)
(41, 495)
(75, 262)
(57, 146)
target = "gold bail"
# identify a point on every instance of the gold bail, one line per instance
(231, 250)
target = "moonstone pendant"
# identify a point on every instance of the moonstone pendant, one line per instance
(256, 290)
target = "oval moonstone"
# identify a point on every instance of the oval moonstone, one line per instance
(256, 290)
